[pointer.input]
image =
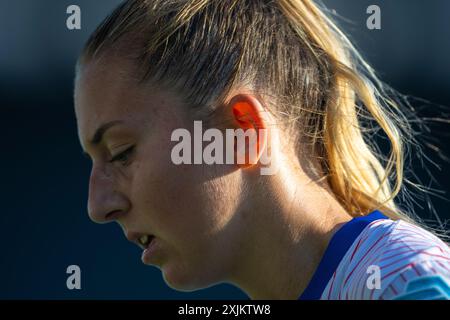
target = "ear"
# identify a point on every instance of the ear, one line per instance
(249, 114)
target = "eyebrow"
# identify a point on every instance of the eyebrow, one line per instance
(98, 135)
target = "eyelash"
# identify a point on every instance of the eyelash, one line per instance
(123, 156)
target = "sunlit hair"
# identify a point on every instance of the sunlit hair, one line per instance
(291, 53)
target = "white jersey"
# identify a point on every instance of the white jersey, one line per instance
(373, 257)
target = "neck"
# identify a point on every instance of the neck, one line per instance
(286, 238)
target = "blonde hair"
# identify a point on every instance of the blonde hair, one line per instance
(289, 50)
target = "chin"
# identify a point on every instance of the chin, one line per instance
(183, 280)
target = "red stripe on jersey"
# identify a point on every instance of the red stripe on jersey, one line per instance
(367, 252)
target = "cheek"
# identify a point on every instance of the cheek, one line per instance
(182, 200)
(191, 209)
(190, 205)
(195, 224)
(185, 204)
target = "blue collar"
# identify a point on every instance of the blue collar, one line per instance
(337, 248)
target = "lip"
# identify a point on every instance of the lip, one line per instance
(135, 236)
(149, 252)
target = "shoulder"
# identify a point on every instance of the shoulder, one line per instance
(387, 257)
(415, 265)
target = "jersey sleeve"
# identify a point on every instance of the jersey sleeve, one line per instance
(403, 261)
(414, 265)
(426, 280)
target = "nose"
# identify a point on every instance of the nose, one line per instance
(105, 203)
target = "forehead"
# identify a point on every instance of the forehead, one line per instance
(102, 89)
(107, 91)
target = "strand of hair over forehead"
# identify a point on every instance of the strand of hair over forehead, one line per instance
(291, 51)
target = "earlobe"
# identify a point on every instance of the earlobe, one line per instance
(248, 114)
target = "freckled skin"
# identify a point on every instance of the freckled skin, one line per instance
(192, 210)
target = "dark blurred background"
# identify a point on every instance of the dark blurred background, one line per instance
(44, 223)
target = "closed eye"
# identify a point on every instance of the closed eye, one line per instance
(123, 156)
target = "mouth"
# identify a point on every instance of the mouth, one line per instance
(145, 240)
(142, 240)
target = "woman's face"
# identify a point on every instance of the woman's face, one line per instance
(190, 210)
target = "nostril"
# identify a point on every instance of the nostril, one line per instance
(113, 215)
